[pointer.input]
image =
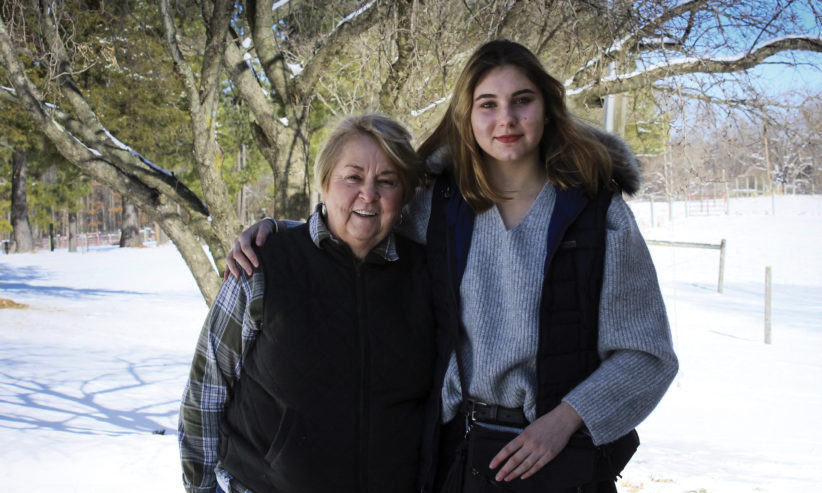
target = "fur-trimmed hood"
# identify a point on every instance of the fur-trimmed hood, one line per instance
(626, 172)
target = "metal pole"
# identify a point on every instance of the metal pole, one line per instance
(727, 199)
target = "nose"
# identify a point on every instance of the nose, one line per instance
(507, 116)
(369, 192)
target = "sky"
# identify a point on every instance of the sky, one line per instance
(802, 74)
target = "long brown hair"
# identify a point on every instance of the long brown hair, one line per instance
(570, 155)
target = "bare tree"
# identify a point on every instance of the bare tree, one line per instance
(298, 63)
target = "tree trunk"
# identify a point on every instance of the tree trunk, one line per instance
(130, 229)
(291, 186)
(242, 213)
(159, 235)
(72, 231)
(23, 240)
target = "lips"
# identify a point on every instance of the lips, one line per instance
(364, 213)
(508, 139)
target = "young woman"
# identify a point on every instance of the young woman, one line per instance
(541, 275)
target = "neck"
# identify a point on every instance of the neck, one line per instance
(515, 180)
(521, 184)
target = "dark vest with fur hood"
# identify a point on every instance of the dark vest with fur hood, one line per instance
(333, 391)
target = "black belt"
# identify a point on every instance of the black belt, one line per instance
(488, 413)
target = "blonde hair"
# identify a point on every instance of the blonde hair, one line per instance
(391, 136)
(570, 155)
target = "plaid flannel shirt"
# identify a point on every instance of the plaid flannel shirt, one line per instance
(227, 335)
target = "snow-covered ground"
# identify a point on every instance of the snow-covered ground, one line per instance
(91, 372)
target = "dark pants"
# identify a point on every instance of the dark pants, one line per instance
(451, 436)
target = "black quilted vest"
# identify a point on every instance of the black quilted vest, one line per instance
(569, 308)
(332, 395)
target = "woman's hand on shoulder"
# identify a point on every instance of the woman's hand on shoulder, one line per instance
(242, 256)
(538, 444)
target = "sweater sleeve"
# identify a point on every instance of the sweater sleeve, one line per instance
(638, 360)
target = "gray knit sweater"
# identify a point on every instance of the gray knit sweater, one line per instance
(500, 295)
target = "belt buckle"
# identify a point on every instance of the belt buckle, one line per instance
(474, 406)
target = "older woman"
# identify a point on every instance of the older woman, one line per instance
(312, 374)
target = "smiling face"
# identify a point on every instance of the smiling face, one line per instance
(508, 117)
(363, 196)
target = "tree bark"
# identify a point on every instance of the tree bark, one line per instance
(203, 99)
(23, 240)
(160, 236)
(72, 231)
(130, 231)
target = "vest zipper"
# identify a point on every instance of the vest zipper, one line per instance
(364, 380)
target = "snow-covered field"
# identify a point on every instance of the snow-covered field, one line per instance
(91, 372)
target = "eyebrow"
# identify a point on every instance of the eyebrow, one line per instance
(381, 173)
(515, 94)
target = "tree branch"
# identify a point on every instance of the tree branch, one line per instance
(631, 42)
(593, 92)
(733, 103)
(261, 19)
(180, 62)
(93, 163)
(399, 71)
(203, 111)
(334, 43)
(249, 87)
(217, 16)
(95, 136)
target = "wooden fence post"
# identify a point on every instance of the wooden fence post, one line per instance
(768, 304)
(721, 282)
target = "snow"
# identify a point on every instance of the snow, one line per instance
(429, 107)
(280, 3)
(295, 68)
(136, 154)
(356, 13)
(97, 363)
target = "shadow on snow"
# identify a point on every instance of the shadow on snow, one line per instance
(15, 280)
(104, 395)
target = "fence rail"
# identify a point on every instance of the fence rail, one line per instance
(709, 246)
(83, 240)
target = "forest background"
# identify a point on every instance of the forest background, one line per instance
(198, 117)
